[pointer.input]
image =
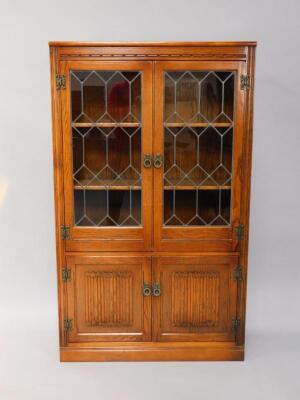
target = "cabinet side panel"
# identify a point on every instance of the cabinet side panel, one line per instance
(245, 198)
(58, 181)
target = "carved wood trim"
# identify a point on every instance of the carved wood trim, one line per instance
(137, 55)
(154, 51)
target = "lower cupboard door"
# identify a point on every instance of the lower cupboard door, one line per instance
(105, 299)
(195, 298)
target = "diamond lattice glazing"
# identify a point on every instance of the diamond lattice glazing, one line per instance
(106, 133)
(198, 145)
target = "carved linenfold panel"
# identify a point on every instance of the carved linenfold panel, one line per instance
(195, 299)
(108, 298)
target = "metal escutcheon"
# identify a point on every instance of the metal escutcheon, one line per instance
(147, 290)
(158, 161)
(156, 289)
(147, 160)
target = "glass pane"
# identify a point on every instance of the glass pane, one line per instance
(106, 134)
(198, 146)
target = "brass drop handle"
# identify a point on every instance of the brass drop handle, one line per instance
(147, 160)
(147, 291)
(158, 161)
(156, 289)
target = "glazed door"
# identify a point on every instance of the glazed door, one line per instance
(106, 298)
(198, 138)
(196, 300)
(107, 135)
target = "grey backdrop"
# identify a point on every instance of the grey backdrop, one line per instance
(29, 366)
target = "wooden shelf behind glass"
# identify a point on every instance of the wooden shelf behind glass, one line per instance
(137, 124)
(105, 124)
(107, 185)
(195, 187)
(131, 185)
(198, 124)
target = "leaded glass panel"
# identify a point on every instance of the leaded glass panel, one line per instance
(106, 137)
(198, 147)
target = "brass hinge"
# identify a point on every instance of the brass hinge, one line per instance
(239, 231)
(65, 232)
(236, 322)
(238, 273)
(66, 274)
(68, 324)
(245, 82)
(60, 82)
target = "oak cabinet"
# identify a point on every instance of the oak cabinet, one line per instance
(152, 161)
